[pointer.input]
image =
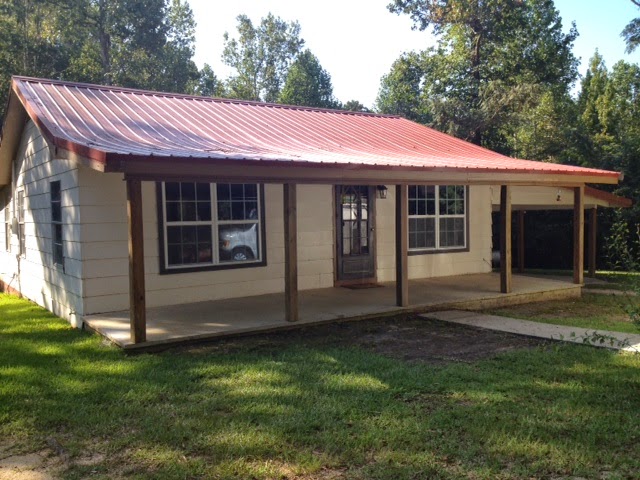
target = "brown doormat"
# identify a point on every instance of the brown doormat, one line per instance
(360, 286)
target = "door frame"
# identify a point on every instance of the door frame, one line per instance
(337, 243)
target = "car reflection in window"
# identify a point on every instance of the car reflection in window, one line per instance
(239, 242)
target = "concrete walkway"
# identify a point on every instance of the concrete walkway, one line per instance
(627, 342)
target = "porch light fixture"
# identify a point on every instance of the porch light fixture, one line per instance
(382, 191)
(558, 196)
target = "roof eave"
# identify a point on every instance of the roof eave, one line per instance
(12, 129)
(283, 171)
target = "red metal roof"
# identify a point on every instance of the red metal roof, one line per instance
(109, 124)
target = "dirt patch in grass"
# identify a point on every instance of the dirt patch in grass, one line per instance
(406, 337)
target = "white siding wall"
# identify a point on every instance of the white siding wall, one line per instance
(104, 252)
(476, 260)
(34, 274)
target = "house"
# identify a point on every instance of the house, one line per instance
(116, 199)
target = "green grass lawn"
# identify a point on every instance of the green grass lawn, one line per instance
(312, 410)
(593, 311)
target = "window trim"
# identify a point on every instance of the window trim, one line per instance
(162, 258)
(20, 214)
(58, 264)
(7, 222)
(431, 251)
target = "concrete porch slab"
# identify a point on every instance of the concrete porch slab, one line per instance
(177, 324)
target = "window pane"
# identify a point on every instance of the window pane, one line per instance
(204, 234)
(422, 233)
(238, 243)
(224, 210)
(57, 233)
(251, 191)
(174, 254)
(188, 211)
(173, 212)
(203, 192)
(237, 210)
(58, 256)
(188, 191)
(174, 235)
(172, 191)
(223, 191)
(237, 191)
(204, 211)
(452, 232)
(189, 235)
(189, 253)
(55, 191)
(251, 210)
(56, 212)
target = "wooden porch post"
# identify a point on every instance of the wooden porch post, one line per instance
(290, 252)
(137, 300)
(520, 241)
(402, 245)
(578, 235)
(505, 239)
(593, 226)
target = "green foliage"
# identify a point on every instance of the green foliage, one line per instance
(493, 59)
(622, 247)
(308, 84)
(401, 89)
(354, 106)
(134, 43)
(261, 57)
(208, 84)
(631, 32)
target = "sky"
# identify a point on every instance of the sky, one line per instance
(356, 41)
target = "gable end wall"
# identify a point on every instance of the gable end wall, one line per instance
(34, 275)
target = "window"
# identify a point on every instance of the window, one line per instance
(20, 212)
(208, 225)
(437, 217)
(56, 224)
(7, 223)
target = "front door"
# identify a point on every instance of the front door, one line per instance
(355, 215)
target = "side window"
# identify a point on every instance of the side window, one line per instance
(56, 224)
(208, 225)
(7, 223)
(20, 207)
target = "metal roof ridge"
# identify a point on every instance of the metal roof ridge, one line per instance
(184, 96)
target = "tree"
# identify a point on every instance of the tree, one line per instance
(493, 58)
(208, 84)
(134, 43)
(631, 32)
(355, 106)
(401, 90)
(308, 84)
(609, 108)
(261, 57)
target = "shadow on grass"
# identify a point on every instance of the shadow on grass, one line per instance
(293, 410)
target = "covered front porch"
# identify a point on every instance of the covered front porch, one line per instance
(195, 322)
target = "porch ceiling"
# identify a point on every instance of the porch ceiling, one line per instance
(167, 326)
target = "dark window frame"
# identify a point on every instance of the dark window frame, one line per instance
(57, 235)
(7, 222)
(21, 210)
(437, 217)
(165, 270)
